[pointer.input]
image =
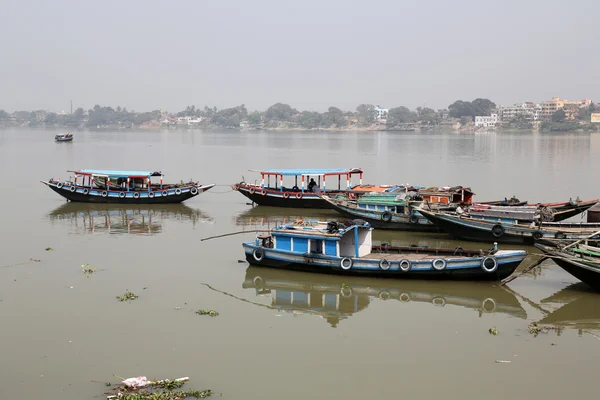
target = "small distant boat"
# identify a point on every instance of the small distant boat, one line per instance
(506, 230)
(581, 261)
(305, 190)
(123, 187)
(64, 137)
(347, 249)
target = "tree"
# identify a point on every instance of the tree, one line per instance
(483, 106)
(254, 118)
(334, 116)
(559, 116)
(428, 116)
(477, 107)
(400, 115)
(366, 114)
(309, 120)
(3, 115)
(280, 112)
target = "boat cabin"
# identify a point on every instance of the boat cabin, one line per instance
(118, 180)
(324, 238)
(325, 179)
(447, 195)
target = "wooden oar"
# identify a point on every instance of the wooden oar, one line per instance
(529, 268)
(234, 233)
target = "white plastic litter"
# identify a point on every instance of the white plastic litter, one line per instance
(135, 383)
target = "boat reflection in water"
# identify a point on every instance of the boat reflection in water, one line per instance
(85, 218)
(336, 298)
(270, 217)
(580, 310)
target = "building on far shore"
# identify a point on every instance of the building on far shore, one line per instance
(486, 121)
(571, 108)
(381, 113)
(527, 111)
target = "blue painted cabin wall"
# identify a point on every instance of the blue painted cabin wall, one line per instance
(301, 245)
(330, 248)
(284, 243)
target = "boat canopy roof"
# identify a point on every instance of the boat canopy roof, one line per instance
(120, 174)
(318, 228)
(309, 172)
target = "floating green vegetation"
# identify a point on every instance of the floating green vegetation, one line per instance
(345, 286)
(169, 384)
(87, 269)
(168, 395)
(127, 296)
(493, 331)
(535, 329)
(212, 313)
(49, 249)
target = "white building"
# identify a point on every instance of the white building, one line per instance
(528, 111)
(381, 113)
(189, 120)
(486, 122)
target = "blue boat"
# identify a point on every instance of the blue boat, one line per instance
(123, 187)
(336, 248)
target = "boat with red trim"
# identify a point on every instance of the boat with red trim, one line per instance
(305, 190)
(123, 187)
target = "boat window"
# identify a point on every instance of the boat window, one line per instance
(316, 246)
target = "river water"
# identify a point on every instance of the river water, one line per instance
(278, 334)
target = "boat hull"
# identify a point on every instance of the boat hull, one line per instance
(79, 194)
(487, 231)
(276, 198)
(575, 267)
(400, 222)
(458, 269)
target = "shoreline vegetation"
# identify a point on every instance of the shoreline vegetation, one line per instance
(459, 117)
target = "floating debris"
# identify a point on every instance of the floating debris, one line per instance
(87, 269)
(141, 388)
(503, 361)
(535, 329)
(493, 331)
(212, 313)
(49, 249)
(127, 296)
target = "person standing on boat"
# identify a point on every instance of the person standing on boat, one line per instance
(311, 185)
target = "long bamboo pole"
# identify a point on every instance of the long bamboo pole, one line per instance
(529, 268)
(234, 233)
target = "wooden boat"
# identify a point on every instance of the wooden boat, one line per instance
(550, 212)
(506, 231)
(581, 261)
(347, 249)
(301, 194)
(64, 137)
(123, 187)
(395, 215)
(336, 298)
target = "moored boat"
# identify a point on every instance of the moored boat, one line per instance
(395, 215)
(550, 212)
(347, 249)
(581, 261)
(64, 137)
(506, 230)
(305, 190)
(123, 187)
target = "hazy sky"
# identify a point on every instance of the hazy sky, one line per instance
(148, 54)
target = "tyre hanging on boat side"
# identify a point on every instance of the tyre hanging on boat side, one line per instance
(72, 188)
(258, 254)
(537, 235)
(194, 191)
(497, 230)
(414, 219)
(386, 216)
(59, 185)
(439, 264)
(346, 263)
(404, 265)
(489, 264)
(384, 264)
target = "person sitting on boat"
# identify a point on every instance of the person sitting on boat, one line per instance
(311, 185)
